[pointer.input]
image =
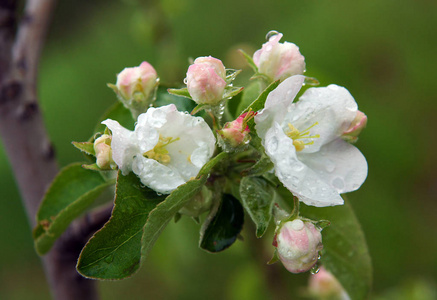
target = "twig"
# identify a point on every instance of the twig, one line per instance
(24, 136)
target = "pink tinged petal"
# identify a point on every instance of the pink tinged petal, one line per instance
(123, 145)
(296, 176)
(339, 164)
(215, 63)
(277, 103)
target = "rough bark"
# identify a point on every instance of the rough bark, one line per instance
(25, 139)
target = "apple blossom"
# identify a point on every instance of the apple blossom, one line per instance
(166, 149)
(297, 245)
(136, 87)
(303, 140)
(279, 60)
(206, 80)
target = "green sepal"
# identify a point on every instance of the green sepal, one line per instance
(257, 196)
(85, 147)
(231, 74)
(311, 81)
(221, 231)
(72, 191)
(199, 108)
(232, 92)
(180, 92)
(274, 259)
(345, 252)
(249, 60)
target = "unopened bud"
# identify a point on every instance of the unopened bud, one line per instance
(136, 87)
(206, 80)
(279, 60)
(235, 135)
(357, 125)
(324, 285)
(102, 148)
(298, 244)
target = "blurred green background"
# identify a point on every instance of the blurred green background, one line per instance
(383, 52)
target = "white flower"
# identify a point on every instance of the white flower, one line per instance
(303, 140)
(166, 149)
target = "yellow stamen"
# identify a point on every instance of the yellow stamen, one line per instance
(296, 135)
(159, 153)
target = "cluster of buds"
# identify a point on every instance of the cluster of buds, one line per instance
(234, 136)
(298, 243)
(136, 87)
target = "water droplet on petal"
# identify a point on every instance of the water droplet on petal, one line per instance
(338, 184)
(315, 269)
(272, 146)
(186, 80)
(271, 34)
(330, 166)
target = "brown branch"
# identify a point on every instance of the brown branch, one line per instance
(24, 136)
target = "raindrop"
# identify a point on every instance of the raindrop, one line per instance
(186, 80)
(338, 183)
(109, 258)
(271, 34)
(273, 145)
(297, 166)
(315, 269)
(330, 166)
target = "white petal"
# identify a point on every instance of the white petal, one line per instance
(300, 179)
(277, 103)
(124, 145)
(156, 176)
(339, 164)
(332, 107)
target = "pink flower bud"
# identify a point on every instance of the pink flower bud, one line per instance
(324, 285)
(235, 134)
(206, 80)
(102, 148)
(298, 244)
(279, 60)
(137, 80)
(357, 125)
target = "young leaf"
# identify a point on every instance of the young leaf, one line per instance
(257, 198)
(224, 228)
(85, 147)
(180, 92)
(163, 97)
(71, 192)
(249, 61)
(114, 252)
(164, 212)
(138, 217)
(250, 93)
(345, 252)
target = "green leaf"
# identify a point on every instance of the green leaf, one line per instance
(257, 196)
(72, 191)
(250, 93)
(249, 60)
(85, 147)
(258, 104)
(139, 216)
(164, 212)
(180, 92)
(263, 165)
(114, 252)
(224, 228)
(164, 98)
(119, 113)
(345, 252)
